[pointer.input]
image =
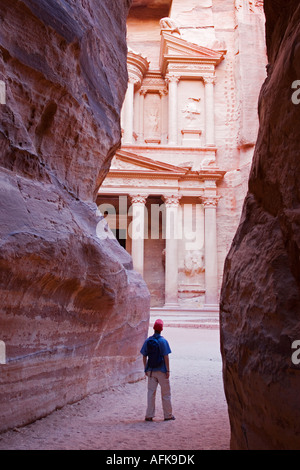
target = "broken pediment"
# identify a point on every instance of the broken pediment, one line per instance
(133, 163)
(175, 50)
(120, 164)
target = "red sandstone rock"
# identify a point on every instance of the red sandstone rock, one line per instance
(260, 299)
(73, 313)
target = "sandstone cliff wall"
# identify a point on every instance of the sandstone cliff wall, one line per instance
(73, 313)
(260, 299)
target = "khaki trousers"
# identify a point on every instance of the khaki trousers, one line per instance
(155, 378)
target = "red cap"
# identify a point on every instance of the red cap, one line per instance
(158, 325)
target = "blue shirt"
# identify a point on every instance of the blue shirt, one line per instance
(164, 351)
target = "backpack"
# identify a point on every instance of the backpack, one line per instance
(155, 359)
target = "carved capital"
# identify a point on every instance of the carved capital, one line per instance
(172, 201)
(210, 201)
(209, 80)
(134, 77)
(138, 199)
(172, 78)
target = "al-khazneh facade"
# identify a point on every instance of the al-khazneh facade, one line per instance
(189, 123)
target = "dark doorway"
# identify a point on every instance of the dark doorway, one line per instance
(120, 235)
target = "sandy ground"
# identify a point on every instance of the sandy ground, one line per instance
(114, 419)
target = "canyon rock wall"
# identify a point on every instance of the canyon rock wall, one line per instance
(73, 313)
(260, 298)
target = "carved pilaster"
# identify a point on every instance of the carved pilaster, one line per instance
(209, 82)
(211, 250)
(173, 80)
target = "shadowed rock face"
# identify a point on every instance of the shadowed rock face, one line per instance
(260, 299)
(73, 313)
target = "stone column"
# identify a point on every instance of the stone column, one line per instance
(128, 113)
(173, 108)
(209, 111)
(211, 258)
(137, 66)
(162, 94)
(171, 252)
(138, 231)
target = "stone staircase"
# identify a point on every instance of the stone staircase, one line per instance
(207, 317)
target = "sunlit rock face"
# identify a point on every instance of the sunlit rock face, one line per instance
(73, 313)
(260, 299)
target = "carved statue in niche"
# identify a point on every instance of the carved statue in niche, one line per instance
(194, 262)
(170, 24)
(191, 112)
(153, 121)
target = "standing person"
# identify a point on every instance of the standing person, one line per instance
(157, 369)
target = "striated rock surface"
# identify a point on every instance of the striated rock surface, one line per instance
(260, 298)
(73, 313)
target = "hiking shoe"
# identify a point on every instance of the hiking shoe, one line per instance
(171, 418)
(148, 419)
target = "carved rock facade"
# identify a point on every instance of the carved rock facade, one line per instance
(189, 126)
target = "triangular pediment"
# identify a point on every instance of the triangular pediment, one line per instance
(178, 46)
(173, 48)
(130, 162)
